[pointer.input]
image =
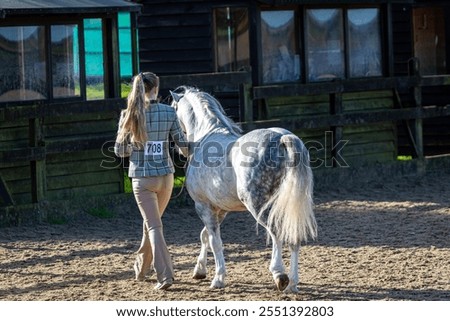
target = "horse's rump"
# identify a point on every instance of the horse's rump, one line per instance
(275, 178)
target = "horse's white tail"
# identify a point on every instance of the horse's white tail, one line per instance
(291, 216)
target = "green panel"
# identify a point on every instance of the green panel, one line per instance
(18, 172)
(282, 107)
(357, 160)
(94, 50)
(13, 134)
(83, 179)
(80, 156)
(317, 143)
(372, 100)
(22, 198)
(368, 148)
(84, 191)
(368, 137)
(77, 167)
(66, 130)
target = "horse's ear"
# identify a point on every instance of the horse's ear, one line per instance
(176, 97)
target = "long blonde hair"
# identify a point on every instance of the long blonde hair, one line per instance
(132, 122)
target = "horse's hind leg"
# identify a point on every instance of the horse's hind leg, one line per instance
(293, 269)
(276, 264)
(200, 268)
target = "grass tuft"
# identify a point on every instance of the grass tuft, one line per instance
(101, 212)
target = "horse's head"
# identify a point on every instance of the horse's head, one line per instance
(183, 108)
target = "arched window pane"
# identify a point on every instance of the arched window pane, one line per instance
(65, 61)
(364, 42)
(325, 44)
(281, 63)
(93, 46)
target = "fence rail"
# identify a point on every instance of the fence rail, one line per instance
(39, 147)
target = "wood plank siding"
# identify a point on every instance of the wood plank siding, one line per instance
(71, 158)
(55, 138)
(175, 37)
(375, 141)
(55, 148)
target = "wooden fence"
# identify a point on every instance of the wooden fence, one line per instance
(335, 116)
(54, 150)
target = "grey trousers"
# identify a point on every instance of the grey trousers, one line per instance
(152, 195)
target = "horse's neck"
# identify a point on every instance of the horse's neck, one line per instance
(208, 127)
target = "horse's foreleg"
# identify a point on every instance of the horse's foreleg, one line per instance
(212, 220)
(200, 268)
(276, 264)
(293, 270)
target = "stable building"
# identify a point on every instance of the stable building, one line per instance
(58, 109)
(373, 74)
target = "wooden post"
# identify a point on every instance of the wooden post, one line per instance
(5, 193)
(37, 166)
(245, 102)
(134, 44)
(417, 92)
(111, 57)
(336, 108)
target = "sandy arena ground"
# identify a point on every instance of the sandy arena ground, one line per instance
(376, 242)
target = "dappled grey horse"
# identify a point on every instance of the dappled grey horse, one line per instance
(265, 172)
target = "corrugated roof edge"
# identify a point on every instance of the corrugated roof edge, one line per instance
(30, 7)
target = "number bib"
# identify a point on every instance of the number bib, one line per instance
(153, 148)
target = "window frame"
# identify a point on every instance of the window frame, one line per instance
(214, 33)
(47, 23)
(300, 12)
(346, 30)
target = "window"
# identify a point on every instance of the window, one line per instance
(126, 61)
(23, 67)
(336, 52)
(325, 43)
(280, 62)
(63, 58)
(232, 39)
(364, 42)
(320, 44)
(93, 46)
(65, 61)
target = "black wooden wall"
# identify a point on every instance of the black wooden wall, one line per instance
(175, 37)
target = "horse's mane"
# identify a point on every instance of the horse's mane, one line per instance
(207, 108)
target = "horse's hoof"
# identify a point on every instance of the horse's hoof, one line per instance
(282, 281)
(291, 289)
(199, 276)
(217, 285)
